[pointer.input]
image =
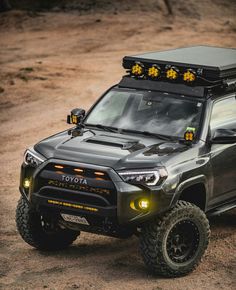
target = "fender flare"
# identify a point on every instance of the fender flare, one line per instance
(199, 179)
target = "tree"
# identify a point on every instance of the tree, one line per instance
(169, 7)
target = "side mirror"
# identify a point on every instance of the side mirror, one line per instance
(76, 116)
(224, 136)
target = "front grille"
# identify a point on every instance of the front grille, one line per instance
(76, 184)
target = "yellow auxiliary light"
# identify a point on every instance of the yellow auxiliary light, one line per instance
(144, 203)
(172, 73)
(137, 69)
(189, 76)
(74, 119)
(189, 135)
(154, 71)
(26, 183)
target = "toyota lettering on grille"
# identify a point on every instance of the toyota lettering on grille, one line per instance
(74, 179)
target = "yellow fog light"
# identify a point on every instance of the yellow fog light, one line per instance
(189, 76)
(137, 69)
(154, 72)
(172, 73)
(143, 204)
(26, 183)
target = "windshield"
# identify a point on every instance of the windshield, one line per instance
(145, 111)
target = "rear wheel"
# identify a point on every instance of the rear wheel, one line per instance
(174, 244)
(39, 230)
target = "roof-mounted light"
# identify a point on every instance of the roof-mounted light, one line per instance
(154, 71)
(137, 69)
(189, 76)
(172, 73)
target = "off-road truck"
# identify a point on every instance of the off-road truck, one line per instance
(153, 157)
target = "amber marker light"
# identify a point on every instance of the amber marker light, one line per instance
(78, 170)
(98, 173)
(172, 73)
(58, 166)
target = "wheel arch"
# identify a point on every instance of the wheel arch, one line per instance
(193, 190)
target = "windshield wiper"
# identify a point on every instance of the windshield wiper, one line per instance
(103, 127)
(160, 136)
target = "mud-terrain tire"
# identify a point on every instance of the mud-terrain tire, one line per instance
(31, 228)
(172, 245)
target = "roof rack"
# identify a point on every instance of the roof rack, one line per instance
(197, 71)
(202, 65)
(178, 88)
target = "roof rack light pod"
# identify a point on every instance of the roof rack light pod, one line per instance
(172, 73)
(189, 76)
(154, 72)
(137, 69)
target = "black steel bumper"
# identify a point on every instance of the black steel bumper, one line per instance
(120, 213)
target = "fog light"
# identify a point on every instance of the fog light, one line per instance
(26, 183)
(143, 204)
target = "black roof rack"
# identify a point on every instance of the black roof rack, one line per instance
(213, 70)
(212, 63)
(162, 86)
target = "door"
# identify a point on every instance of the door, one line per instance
(223, 156)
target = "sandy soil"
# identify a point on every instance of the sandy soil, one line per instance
(51, 63)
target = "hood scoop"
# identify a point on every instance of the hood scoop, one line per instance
(165, 149)
(123, 143)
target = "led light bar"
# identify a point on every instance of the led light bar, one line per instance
(187, 65)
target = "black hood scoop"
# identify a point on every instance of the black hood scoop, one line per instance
(123, 143)
(166, 149)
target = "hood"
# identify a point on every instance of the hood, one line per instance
(114, 150)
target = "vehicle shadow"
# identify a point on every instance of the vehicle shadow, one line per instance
(223, 226)
(100, 246)
(117, 257)
(227, 219)
(110, 257)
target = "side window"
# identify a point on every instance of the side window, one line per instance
(224, 114)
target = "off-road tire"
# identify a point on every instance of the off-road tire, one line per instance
(29, 225)
(155, 236)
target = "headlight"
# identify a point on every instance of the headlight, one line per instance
(32, 158)
(146, 177)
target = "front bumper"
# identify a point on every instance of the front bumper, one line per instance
(68, 199)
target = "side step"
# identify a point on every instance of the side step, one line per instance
(220, 209)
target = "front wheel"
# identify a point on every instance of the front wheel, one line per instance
(39, 230)
(173, 245)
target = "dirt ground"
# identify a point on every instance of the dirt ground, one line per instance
(51, 63)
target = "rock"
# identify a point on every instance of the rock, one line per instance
(56, 9)
(27, 69)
